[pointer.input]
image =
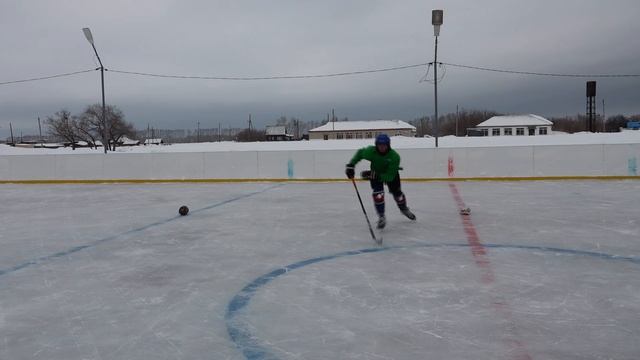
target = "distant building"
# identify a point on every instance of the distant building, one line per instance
(153, 142)
(361, 129)
(125, 141)
(277, 133)
(513, 125)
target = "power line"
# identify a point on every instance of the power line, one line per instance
(46, 77)
(247, 78)
(315, 76)
(542, 74)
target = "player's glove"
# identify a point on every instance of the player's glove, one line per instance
(368, 174)
(350, 171)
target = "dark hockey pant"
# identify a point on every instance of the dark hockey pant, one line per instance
(394, 189)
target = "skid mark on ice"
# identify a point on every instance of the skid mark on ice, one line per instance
(75, 249)
(239, 329)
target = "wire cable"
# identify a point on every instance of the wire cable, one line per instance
(542, 74)
(247, 78)
(315, 76)
(47, 77)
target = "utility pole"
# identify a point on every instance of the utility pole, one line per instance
(198, 133)
(249, 136)
(604, 119)
(219, 135)
(40, 127)
(457, 117)
(11, 130)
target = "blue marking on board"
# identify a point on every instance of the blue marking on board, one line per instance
(633, 166)
(290, 169)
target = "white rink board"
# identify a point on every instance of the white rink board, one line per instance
(576, 160)
(85, 166)
(479, 162)
(5, 168)
(622, 159)
(330, 164)
(231, 165)
(286, 164)
(177, 166)
(126, 166)
(499, 162)
(32, 167)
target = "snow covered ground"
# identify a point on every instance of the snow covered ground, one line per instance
(540, 270)
(628, 137)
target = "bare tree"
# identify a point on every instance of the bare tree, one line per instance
(63, 125)
(112, 129)
(422, 125)
(466, 119)
(614, 123)
(247, 135)
(120, 128)
(463, 120)
(87, 131)
(570, 124)
(92, 118)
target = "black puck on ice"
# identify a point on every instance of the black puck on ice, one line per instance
(184, 210)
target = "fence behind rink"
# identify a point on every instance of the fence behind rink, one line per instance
(542, 161)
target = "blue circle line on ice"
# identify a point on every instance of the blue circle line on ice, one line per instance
(75, 249)
(250, 346)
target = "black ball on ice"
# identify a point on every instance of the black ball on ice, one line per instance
(184, 210)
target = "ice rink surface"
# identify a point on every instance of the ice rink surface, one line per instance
(539, 270)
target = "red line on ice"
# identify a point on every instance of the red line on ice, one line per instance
(516, 346)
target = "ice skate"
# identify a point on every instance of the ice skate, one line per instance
(406, 212)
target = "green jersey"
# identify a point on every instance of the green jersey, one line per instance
(385, 166)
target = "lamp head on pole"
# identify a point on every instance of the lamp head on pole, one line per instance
(87, 34)
(436, 21)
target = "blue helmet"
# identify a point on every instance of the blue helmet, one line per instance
(383, 139)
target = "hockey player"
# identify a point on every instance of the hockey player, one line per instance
(385, 163)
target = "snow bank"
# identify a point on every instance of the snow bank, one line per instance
(397, 142)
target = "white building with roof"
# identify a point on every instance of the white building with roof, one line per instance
(514, 125)
(157, 141)
(361, 129)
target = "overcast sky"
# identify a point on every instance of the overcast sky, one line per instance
(296, 37)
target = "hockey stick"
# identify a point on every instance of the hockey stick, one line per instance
(373, 235)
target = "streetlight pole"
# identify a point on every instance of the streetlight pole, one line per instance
(89, 36)
(457, 118)
(436, 21)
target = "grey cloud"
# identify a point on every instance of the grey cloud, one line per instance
(256, 38)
